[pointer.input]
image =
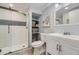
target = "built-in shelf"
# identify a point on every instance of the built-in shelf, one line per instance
(35, 27)
(35, 32)
(35, 20)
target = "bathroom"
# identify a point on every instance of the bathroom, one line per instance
(39, 28)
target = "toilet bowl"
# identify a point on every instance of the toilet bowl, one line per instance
(37, 44)
(37, 47)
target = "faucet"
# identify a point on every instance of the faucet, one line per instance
(66, 33)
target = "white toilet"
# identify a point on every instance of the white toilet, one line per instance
(38, 47)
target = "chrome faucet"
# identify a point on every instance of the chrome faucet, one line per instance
(66, 33)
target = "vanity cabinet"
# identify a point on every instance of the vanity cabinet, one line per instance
(52, 46)
(61, 46)
(64, 48)
(67, 49)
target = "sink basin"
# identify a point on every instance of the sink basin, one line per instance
(58, 34)
(44, 36)
(72, 37)
(76, 37)
(72, 40)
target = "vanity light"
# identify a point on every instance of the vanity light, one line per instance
(66, 7)
(11, 5)
(56, 5)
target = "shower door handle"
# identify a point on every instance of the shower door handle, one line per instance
(8, 28)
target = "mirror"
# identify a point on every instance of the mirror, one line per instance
(68, 14)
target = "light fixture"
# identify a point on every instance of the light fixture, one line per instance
(10, 5)
(66, 7)
(56, 5)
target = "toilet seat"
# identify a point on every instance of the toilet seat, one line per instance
(37, 44)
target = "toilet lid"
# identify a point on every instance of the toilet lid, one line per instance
(37, 43)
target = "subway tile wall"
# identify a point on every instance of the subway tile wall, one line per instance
(73, 29)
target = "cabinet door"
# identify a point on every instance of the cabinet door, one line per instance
(52, 45)
(69, 50)
(19, 37)
(5, 41)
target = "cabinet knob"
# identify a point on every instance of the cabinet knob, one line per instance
(57, 47)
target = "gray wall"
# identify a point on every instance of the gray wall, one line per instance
(49, 11)
(73, 29)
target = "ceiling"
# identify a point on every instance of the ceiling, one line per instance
(36, 8)
(70, 8)
(39, 7)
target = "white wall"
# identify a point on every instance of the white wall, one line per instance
(65, 18)
(74, 16)
(49, 11)
(73, 19)
(73, 29)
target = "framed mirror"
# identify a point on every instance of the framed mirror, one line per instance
(68, 14)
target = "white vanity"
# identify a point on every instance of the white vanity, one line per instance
(59, 44)
(66, 20)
